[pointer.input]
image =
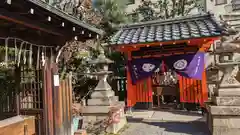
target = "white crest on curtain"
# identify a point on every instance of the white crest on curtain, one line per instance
(148, 67)
(180, 64)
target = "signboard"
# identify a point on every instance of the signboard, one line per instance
(56, 80)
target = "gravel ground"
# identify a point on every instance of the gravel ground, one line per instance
(166, 128)
(178, 124)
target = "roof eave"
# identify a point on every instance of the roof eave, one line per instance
(66, 16)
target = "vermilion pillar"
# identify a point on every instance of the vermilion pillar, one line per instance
(139, 95)
(130, 87)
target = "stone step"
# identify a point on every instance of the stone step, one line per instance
(226, 101)
(226, 121)
(228, 92)
(101, 109)
(223, 110)
(225, 131)
(95, 110)
(102, 101)
(102, 94)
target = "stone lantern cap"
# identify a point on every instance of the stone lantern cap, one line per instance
(100, 73)
(101, 59)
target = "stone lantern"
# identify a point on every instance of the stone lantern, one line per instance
(103, 97)
(223, 111)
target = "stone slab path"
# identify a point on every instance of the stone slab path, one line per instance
(166, 123)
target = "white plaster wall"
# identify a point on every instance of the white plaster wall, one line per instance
(217, 10)
(211, 6)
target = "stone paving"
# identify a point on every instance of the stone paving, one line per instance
(167, 123)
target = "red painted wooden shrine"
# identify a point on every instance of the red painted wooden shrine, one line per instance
(171, 37)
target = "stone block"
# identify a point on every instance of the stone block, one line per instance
(95, 110)
(225, 131)
(116, 127)
(228, 92)
(102, 94)
(223, 124)
(122, 103)
(226, 101)
(80, 132)
(99, 118)
(224, 110)
(102, 101)
(87, 120)
(226, 121)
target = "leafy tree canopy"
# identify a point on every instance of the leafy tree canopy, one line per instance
(113, 13)
(165, 9)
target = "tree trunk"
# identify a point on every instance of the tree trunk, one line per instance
(165, 5)
(173, 11)
(183, 7)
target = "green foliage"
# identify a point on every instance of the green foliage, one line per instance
(78, 66)
(146, 10)
(11, 62)
(7, 80)
(165, 9)
(113, 13)
(112, 10)
(118, 67)
(7, 83)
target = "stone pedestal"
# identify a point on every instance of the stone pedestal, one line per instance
(102, 101)
(223, 116)
(80, 132)
(99, 106)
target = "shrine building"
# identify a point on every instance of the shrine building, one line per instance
(167, 57)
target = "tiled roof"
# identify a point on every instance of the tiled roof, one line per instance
(168, 30)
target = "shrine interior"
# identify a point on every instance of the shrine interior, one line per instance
(165, 82)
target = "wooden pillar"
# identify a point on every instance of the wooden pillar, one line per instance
(130, 87)
(48, 99)
(149, 92)
(204, 89)
(143, 94)
(139, 95)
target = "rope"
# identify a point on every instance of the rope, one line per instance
(27, 42)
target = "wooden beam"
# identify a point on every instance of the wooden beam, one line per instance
(26, 22)
(67, 17)
(190, 42)
(169, 52)
(32, 36)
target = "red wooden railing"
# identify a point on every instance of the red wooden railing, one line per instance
(193, 91)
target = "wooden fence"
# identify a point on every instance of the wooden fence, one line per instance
(57, 102)
(40, 94)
